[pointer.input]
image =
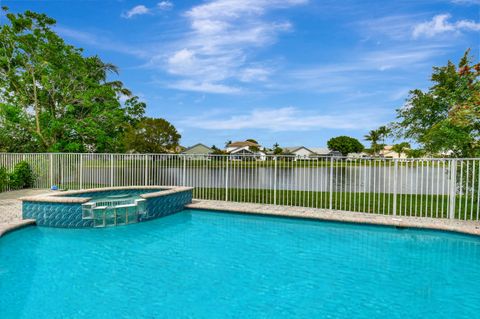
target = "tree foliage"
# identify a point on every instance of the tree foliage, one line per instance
(52, 97)
(345, 145)
(217, 151)
(4, 179)
(277, 150)
(401, 147)
(152, 135)
(415, 153)
(383, 132)
(22, 176)
(447, 115)
(374, 137)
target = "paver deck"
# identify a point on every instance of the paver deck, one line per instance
(11, 209)
(466, 227)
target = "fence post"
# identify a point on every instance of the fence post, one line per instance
(145, 178)
(453, 188)
(331, 184)
(51, 169)
(226, 179)
(111, 170)
(184, 175)
(395, 174)
(275, 181)
(81, 171)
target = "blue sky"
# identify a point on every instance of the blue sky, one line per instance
(296, 72)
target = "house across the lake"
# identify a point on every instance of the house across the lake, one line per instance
(198, 151)
(358, 155)
(302, 152)
(240, 149)
(324, 151)
(245, 144)
(388, 152)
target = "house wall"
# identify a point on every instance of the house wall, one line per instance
(302, 153)
(199, 149)
(229, 149)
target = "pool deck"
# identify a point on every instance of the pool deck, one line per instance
(11, 209)
(458, 226)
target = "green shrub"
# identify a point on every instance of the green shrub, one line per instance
(22, 176)
(4, 179)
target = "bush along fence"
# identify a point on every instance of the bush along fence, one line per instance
(21, 176)
(440, 188)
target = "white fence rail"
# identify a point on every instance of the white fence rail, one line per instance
(443, 188)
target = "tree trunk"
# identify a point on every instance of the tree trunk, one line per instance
(37, 110)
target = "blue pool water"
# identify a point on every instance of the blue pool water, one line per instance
(198, 264)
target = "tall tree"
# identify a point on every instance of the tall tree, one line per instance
(152, 136)
(277, 150)
(345, 145)
(446, 116)
(52, 97)
(384, 132)
(373, 137)
(401, 147)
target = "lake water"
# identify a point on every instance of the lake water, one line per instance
(409, 180)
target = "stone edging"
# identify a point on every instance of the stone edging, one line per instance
(62, 197)
(6, 228)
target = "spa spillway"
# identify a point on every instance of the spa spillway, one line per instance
(114, 210)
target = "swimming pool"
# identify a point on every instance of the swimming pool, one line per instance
(205, 264)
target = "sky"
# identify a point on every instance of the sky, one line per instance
(296, 72)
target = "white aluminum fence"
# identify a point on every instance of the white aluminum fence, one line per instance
(443, 188)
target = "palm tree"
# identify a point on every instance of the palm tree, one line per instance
(373, 137)
(401, 148)
(384, 132)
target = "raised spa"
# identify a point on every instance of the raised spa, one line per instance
(103, 207)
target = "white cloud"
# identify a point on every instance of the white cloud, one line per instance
(397, 27)
(181, 60)
(402, 58)
(368, 68)
(137, 10)
(254, 74)
(99, 41)
(219, 45)
(220, 9)
(205, 87)
(467, 2)
(165, 5)
(288, 119)
(440, 25)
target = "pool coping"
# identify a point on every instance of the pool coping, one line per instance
(441, 224)
(9, 227)
(61, 197)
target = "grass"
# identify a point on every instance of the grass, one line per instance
(436, 206)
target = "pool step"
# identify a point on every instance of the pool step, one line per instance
(113, 215)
